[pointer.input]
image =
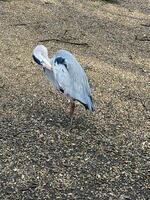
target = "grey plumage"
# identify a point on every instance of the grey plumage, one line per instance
(66, 74)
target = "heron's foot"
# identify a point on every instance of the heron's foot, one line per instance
(70, 124)
(71, 121)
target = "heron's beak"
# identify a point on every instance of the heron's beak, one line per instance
(49, 67)
(46, 64)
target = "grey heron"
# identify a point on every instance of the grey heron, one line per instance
(67, 76)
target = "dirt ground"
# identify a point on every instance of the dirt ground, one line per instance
(106, 154)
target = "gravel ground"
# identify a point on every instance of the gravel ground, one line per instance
(106, 154)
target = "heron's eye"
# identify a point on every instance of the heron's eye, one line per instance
(36, 60)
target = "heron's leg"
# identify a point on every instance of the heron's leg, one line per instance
(72, 108)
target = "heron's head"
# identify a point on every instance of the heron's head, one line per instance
(40, 56)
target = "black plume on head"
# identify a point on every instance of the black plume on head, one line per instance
(36, 60)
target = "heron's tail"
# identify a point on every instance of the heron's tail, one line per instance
(90, 104)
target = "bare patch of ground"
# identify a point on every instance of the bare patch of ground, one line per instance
(106, 154)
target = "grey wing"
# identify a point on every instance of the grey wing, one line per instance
(62, 77)
(50, 76)
(80, 89)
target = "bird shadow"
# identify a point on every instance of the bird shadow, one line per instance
(111, 1)
(59, 117)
